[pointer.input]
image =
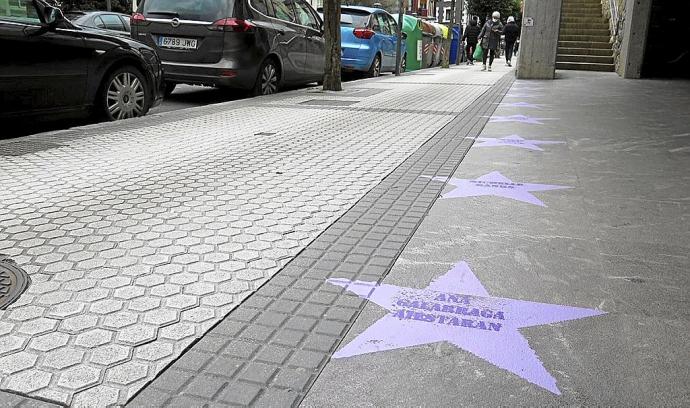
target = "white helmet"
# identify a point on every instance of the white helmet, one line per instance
(511, 19)
(496, 14)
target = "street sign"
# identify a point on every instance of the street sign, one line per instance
(528, 22)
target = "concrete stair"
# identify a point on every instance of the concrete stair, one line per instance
(584, 40)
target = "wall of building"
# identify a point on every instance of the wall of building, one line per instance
(614, 10)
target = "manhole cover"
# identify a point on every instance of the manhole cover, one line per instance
(328, 102)
(13, 282)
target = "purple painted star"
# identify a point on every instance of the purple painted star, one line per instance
(522, 95)
(514, 141)
(495, 184)
(521, 105)
(456, 308)
(519, 119)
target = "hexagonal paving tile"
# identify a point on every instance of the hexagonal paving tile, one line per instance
(177, 331)
(198, 315)
(62, 358)
(127, 373)
(109, 354)
(161, 316)
(79, 377)
(97, 396)
(93, 338)
(183, 278)
(28, 381)
(106, 306)
(11, 343)
(17, 362)
(129, 292)
(26, 313)
(144, 304)
(120, 320)
(165, 290)
(154, 351)
(38, 326)
(65, 310)
(78, 324)
(48, 341)
(137, 334)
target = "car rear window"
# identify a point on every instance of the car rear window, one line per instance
(354, 18)
(196, 10)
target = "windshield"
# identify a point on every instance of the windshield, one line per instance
(197, 10)
(354, 18)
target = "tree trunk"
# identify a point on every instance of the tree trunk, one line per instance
(331, 17)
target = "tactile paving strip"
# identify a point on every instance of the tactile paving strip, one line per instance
(270, 350)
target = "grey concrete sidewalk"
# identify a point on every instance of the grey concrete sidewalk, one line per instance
(615, 242)
(139, 237)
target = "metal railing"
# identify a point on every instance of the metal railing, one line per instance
(613, 9)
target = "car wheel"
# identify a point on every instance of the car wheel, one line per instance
(169, 88)
(268, 80)
(125, 95)
(375, 69)
(403, 63)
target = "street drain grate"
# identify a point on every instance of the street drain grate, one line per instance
(25, 147)
(328, 102)
(265, 134)
(13, 282)
(364, 92)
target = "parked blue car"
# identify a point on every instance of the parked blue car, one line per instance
(368, 38)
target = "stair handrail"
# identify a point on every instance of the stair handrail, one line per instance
(613, 7)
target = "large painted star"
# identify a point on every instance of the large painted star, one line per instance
(456, 308)
(514, 141)
(522, 95)
(520, 105)
(519, 119)
(495, 184)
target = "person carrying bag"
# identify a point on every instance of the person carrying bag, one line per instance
(490, 38)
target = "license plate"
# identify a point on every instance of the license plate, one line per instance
(176, 42)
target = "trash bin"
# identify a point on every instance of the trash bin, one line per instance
(412, 27)
(455, 51)
(428, 34)
(438, 42)
(444, 38)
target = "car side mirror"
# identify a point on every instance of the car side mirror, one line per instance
(52, 16)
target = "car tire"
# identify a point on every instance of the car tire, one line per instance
(124, 94)
(268, 80)
(169, 88)
(403, 63)
(375, 68)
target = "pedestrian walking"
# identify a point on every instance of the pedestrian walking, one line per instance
(490, 37)
(511, 32)
(470, 38)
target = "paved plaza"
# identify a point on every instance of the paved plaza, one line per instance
(443, 238)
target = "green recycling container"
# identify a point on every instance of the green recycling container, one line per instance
(412, 26)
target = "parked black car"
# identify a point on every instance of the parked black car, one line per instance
(257, 45)
(105, 20)
(52, 67)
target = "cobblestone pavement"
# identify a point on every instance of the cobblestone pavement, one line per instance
(140, 237)
(270, 349)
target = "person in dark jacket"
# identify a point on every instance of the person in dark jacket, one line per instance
(511, 32)
(470, 38)
(490, 38)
